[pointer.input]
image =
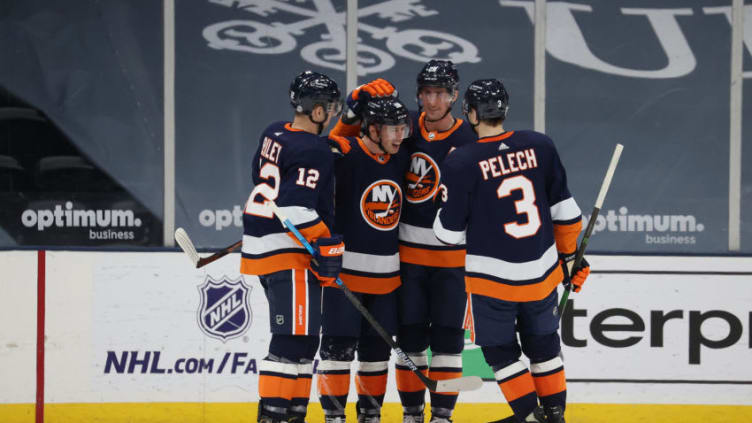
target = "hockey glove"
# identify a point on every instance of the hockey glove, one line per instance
(359, 97)
(327, 259)
(574, 278)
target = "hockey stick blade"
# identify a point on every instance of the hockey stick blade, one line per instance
(465, 383)
(185, 243)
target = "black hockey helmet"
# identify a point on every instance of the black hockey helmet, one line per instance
(386, 111)
(439, 73)
(488, 97)
(311, 88)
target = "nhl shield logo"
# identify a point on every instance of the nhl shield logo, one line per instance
(224, 312)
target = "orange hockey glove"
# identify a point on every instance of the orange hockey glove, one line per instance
(578, 275)
(359, 97)
(327, 259)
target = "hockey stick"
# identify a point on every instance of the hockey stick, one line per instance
(466, 383)
(591, 222)
(185, 243)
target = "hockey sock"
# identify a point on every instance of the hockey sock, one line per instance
(550, 382)
(518, 388)
(302, 392)
(333, 380)
(276, 385)
(547, 368)
(411, 390)
(446, 363)
(370, 382)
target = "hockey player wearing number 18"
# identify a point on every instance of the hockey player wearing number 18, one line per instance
(293, 167)
(432, 296)
(369, 176)
(506, 196)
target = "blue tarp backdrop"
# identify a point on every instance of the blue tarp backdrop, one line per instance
(654, 77)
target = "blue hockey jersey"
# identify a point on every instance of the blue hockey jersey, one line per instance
(418, 244)
(507, 198)
(369, 201)
(295, 169)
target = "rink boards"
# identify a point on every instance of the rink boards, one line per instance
(142, 336)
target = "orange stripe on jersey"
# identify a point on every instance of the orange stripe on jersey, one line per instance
(516, 293)
(300, 303)
(550, 384)
(274, 263)
(566, 237)
(370, 385)
(437, 136)
(408, 382)
(502, 136)
(517, 387)
(369, 285)
(334, 385)
(302, 387)
(275, 387)
(312, 233)
(433, 258)
(342, 129)
(289, 127)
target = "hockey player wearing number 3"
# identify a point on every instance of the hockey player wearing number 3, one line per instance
(506, 196)
(369, 175)
(293, 167)
(432, 296)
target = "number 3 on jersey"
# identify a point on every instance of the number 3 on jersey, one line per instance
(268, 172)
(525, 205)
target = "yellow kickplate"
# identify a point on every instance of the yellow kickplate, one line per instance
(464, 413)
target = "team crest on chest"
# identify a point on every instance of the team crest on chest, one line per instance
(224, 311)
(381, 204)
(422, 178)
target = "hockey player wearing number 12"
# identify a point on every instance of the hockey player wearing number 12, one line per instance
(432, 296)
(369, 175)
(293, 167)
(506, 196)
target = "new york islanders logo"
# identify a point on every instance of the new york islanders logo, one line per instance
(224, 312)
(422, 178)
(381, 204)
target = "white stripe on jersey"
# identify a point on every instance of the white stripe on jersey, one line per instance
(419, 359)
(418, 235)
(565, 210)
(370, 263)
(373, 366)
(445, 235)
(268, 243)
(446, 360)
(299, 215)
(511, 271)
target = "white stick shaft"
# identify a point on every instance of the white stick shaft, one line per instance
(609, 175)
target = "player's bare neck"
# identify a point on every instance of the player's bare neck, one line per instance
(303, 123)
(441, 125)
(372, 146)
(485, 130)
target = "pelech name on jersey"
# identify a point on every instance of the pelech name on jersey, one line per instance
(504, 164)
(270, 150)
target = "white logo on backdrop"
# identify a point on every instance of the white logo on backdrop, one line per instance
(566, 41)
(279, 37)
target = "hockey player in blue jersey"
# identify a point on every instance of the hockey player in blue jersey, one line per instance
(293, 167)
(506, 197)
(369, 199)
(432, 297)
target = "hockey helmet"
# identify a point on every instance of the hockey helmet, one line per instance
(389, 111)
(312, 88)
(488, 97)
(439, 73)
